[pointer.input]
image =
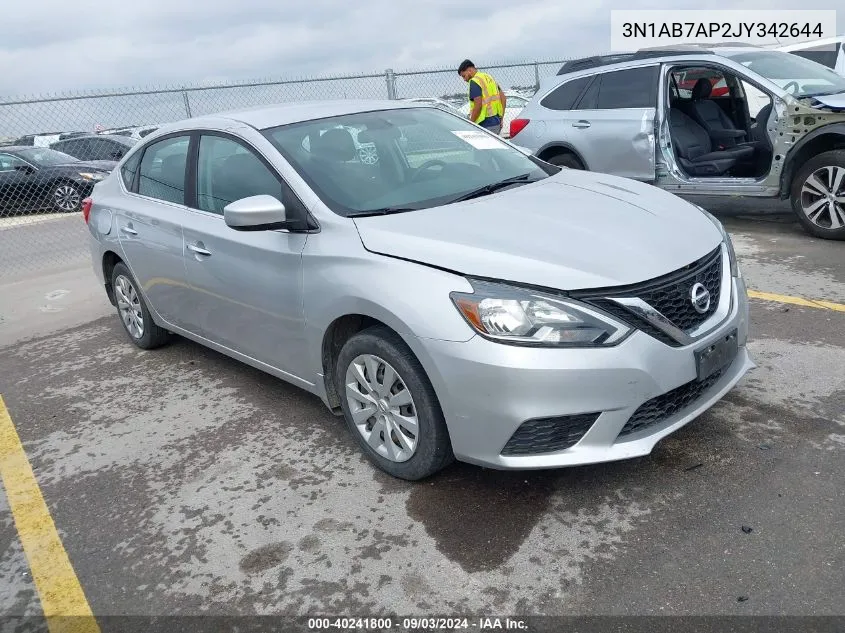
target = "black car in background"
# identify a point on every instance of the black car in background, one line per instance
(35, 178)
(44, 139)
(95, 146)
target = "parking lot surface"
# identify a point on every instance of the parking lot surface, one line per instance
(181, 481)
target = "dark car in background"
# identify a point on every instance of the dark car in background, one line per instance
(95, 146)
(35, 178)
(44, 138)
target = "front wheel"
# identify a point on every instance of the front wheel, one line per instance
(818, 195)
(66, 198)
(390, 406)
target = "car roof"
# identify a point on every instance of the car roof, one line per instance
(656, 54)
(11, 149)
(125, 140)
(263, 117)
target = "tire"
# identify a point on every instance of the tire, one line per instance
(382, 349)
(566, 160)
(149, 335)
(65, 197)
(821, 221)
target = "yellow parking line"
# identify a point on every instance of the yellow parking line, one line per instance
(57, 585)
(798, 301)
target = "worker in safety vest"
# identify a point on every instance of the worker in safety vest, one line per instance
(486, 100)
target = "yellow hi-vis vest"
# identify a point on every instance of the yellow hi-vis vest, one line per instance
(490, 103)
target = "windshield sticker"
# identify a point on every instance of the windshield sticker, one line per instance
(478, 139)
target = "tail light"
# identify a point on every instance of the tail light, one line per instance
(86, 208)
(517, 125)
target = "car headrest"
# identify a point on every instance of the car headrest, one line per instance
(702, 89)
(336, 144)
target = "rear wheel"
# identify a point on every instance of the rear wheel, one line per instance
(390, 406)
(566, 160)
(818, 195)
(133, 312)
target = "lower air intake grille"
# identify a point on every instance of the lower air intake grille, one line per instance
(662, 407)
(547, 435)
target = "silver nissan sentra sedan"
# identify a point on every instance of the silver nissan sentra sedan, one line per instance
(447, 294)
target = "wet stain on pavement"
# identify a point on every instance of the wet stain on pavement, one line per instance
(265, 557)
(479, 518)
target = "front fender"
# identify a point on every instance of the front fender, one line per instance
(790, 165)
(410, 298)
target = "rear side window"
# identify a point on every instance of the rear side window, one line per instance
(127, 172)
(564, 96)
(632, 88)
(162, 170)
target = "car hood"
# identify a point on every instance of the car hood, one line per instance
(835, 102)
(572, 231)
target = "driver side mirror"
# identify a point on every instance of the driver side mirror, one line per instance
(256, 213)
(25, 169)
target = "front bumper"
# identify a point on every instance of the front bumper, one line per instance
(487, 390)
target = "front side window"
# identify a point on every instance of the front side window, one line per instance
(402, 159)
(162, 171)
(228, 171)
(801, 77)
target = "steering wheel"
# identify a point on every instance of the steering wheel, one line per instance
(795, 85)
(428, 165)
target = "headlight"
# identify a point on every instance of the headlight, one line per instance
(91, 175)
(519, 316)
(726, 239)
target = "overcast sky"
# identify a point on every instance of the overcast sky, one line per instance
(49, 46)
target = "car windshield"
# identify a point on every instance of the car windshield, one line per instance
(799, 76)
(45, 157)
(399, 160)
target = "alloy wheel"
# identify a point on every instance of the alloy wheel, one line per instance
(823, 197)
(66, 198)
(129, 305)
(382, 408)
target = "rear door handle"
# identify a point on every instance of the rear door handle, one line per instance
(128, 230)
(199, 250)
(581, 124)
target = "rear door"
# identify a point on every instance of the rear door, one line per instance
(612, 124)
(149, 227)
(246, 285)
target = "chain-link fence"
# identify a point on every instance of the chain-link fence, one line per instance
(42, 186)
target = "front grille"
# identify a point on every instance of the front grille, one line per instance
(665, 406)
(669, 295)
(673, 300)
(622, 313)
(547, 435)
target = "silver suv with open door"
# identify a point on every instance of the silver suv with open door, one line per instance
(738, 121)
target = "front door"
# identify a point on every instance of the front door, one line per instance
(246, 286)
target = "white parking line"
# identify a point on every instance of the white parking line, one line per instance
(23, 220)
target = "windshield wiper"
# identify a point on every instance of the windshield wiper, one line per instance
(384, 211)
(820, 94)
(492, 187)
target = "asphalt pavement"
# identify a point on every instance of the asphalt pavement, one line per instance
(181, 481)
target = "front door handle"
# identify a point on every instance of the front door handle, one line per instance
(581, 124)
(199, 250)
(128, 230)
